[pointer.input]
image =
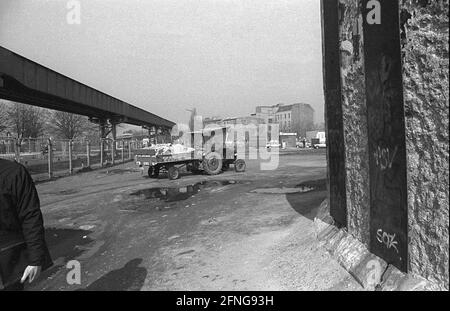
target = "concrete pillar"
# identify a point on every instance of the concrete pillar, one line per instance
(102, 125)
(333, 111)
(113, 149)
(386, 134)
(364, 100)
(129, 150)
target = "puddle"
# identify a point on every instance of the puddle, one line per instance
(174, 194)
(84, 170)
(305, 187)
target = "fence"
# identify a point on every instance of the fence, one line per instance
(47, 157)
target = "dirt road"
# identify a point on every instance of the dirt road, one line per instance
(233, 231)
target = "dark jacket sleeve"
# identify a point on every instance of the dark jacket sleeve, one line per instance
(30, 218)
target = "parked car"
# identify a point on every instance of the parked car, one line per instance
(299, 144)
(320, 145)
(273, 144)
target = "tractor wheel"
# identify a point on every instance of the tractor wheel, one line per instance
(239, 165)
(173, 172)
(212, 163)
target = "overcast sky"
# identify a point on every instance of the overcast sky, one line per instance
(222, 56)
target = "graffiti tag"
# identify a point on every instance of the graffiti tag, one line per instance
(387, 239)
(384, 157)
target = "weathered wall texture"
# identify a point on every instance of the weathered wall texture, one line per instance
(424, 32)
(355, 119)
(425, 78)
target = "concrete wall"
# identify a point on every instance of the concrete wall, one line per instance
(425, 77)
(355, 119)
(424, 31)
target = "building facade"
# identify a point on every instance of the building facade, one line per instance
(297, 118)
(267, 113)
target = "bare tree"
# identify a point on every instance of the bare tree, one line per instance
(91, 131)
(68, 125)
(26, 121)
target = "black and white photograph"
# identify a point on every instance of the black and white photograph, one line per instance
(224, 151)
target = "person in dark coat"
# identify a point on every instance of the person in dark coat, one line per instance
(23, 250)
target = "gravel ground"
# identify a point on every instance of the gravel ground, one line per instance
(233, 231)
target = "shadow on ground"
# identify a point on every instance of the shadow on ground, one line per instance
(130, 277)
(307, 203)
(64, 245)
(65, 242)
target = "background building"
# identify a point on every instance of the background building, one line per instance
(267, 113)
(316, 134)
(294, 118)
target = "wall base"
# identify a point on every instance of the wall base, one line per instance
(370, 271)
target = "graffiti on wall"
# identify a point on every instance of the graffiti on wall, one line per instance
(386, 131)
(387, 239)
(384, 157)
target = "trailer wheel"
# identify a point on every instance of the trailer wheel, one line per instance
(239, 165)
(212, 163)
(173, 173)
(153, 171)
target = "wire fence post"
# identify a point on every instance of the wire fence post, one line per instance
(129, 150)
(88, 153)
(70, 157)
(50, 158)
(123, 146)
(102, 151)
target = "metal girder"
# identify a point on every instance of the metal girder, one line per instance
(25, 81)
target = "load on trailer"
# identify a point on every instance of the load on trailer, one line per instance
(172, 157)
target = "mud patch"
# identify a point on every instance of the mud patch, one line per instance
(119, 171)
(65, 192)
(84, 170)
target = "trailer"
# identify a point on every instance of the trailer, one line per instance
(196, 160)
